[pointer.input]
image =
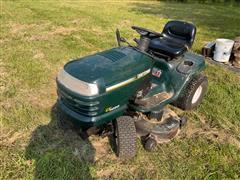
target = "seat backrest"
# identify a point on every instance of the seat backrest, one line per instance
(180, 30)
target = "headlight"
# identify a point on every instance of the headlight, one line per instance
(76, 85)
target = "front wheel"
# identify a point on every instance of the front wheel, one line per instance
(193, 94)
(125, 137)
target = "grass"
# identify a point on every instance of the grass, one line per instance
(38, 37)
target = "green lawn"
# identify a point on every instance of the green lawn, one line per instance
(38, 37)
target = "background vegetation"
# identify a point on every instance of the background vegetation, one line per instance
(227, 2)
(38, 37)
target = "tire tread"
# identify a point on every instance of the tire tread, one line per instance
(184, 101)
(126, 134)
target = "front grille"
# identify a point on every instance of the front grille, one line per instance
(81, 107)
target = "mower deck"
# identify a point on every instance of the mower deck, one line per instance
(163, 129)
(153, 131)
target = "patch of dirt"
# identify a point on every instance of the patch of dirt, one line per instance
(39, 37)
(39, 55)
(86, 44)
(105, 173)
(238, 77)
(43, 99)
(49, 34)
(98, 30)
(220, 136)
(63, 31)
(214, 134)
(191, 129)
(10, 138)
(2, 41)
(93, 150)
(79, 21)
(39, 31)
(3, 76)
(17, 28)
(102, 148)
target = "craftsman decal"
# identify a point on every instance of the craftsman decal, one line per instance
(111, 108)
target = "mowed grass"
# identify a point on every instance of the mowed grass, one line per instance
(39, 37)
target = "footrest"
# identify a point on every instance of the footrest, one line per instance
(154, 100)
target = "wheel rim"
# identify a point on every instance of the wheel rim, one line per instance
(197, 94)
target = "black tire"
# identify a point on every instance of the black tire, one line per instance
(125, 137)
(150, 144)
(185, 101)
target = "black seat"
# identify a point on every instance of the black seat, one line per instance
(178, 37)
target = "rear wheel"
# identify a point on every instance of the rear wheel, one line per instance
(125, 137)
(193, 94)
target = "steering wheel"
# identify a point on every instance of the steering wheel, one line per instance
(146, 32)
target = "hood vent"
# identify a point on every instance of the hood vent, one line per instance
(113, 55)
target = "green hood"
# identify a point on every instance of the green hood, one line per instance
(111, 66)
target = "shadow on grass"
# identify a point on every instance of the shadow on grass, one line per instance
(58, 153)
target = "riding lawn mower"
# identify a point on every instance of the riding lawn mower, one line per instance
(123, 92)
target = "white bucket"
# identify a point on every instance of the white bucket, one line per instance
(223, 50)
